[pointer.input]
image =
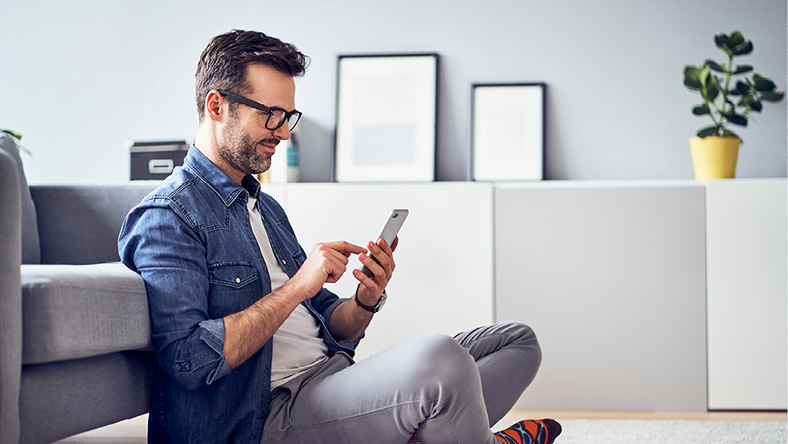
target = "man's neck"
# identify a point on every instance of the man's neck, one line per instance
(207, 144)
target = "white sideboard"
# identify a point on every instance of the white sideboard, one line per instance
(612, 276)
(748, 317)
(443, 280)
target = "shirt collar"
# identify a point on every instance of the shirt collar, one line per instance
(227, 189)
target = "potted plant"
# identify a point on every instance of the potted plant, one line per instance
(716, 147)
(16, 136)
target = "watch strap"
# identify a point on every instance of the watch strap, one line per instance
(372, 309)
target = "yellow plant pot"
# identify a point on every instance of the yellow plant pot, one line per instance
(714, 157)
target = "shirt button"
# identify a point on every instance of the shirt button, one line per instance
(237, 280)
(262, 415)
(284, 262)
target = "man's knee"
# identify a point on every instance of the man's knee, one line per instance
(514, 337)
(520, 332)
(440, 358)
(524, 337)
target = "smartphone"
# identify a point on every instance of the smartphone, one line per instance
(389, 232)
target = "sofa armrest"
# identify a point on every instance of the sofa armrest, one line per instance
(79, 224)
(80, 311)
(10, 299)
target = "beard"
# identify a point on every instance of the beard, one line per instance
(237, 148)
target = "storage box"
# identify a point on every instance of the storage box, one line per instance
(156, 160)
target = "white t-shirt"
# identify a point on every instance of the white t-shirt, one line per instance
(297, 344)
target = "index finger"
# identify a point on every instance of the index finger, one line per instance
(346, 248)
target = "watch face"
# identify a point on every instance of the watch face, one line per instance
(381, 301)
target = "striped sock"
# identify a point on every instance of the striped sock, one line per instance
(530, 432)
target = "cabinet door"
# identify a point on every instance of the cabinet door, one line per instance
(612, 278)
(443, 280)
(748, 348)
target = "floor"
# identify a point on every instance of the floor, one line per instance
(643, 415)
(136, 427)
(517, 415)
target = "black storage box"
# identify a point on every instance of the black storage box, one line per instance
(156, 160)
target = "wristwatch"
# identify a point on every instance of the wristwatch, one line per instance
(376, 308)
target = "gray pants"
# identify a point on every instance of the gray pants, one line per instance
(447, 390)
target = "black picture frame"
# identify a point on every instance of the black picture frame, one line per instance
(508, 127)
(386, 118)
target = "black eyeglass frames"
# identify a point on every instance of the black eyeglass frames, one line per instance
(276, 116)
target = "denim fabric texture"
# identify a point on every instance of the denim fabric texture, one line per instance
(191, 242)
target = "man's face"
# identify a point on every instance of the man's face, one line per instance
(243, 142)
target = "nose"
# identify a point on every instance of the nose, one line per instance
(283, 132)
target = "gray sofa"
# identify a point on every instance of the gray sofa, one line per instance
(75, 340)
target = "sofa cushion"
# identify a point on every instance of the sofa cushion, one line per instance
(78, 311)
(79, 224)
(31, 251)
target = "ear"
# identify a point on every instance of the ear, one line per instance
(214, 102)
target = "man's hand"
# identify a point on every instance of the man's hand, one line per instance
(247, 330)
(382, 267)
(325, 265)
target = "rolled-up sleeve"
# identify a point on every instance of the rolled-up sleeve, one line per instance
(170, 255)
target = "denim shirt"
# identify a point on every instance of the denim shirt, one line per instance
(191, 242)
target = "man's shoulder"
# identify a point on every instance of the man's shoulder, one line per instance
(181, 184)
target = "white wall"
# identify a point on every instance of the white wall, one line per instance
(79, 78)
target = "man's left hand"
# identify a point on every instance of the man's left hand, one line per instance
(381, 266)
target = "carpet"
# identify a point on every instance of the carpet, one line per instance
(671, 432)
(574, 432)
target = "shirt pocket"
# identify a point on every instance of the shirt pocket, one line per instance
(233, 287)
(299, 257)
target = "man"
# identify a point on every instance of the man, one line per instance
(251, 347)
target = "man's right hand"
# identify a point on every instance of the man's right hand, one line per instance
(324, 265)
(247, 330)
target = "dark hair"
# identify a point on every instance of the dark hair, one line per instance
(223, 63)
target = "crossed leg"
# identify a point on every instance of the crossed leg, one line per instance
(446, 390)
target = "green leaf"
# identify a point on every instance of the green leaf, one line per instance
(16, 136)
(704, 72)
(755, 105)
(742, 87)
(772, 96)
(741, 69)
(691, 79)
(708, 131)
(736, 39)
(728, 133)
(693, 84)
(746, 49)
(763, 84)
(713, 91)
(735, 119)
(734, 92)
(701, 110)
(721, 40)
(714, 66)
(691, 72)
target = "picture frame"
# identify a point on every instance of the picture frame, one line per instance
(386, 125)
(507, 132)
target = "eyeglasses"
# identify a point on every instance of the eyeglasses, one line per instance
(276, 116)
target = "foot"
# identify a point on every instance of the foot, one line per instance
(530, 432)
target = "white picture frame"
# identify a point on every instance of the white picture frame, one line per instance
(386, 123)
(507, 132)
